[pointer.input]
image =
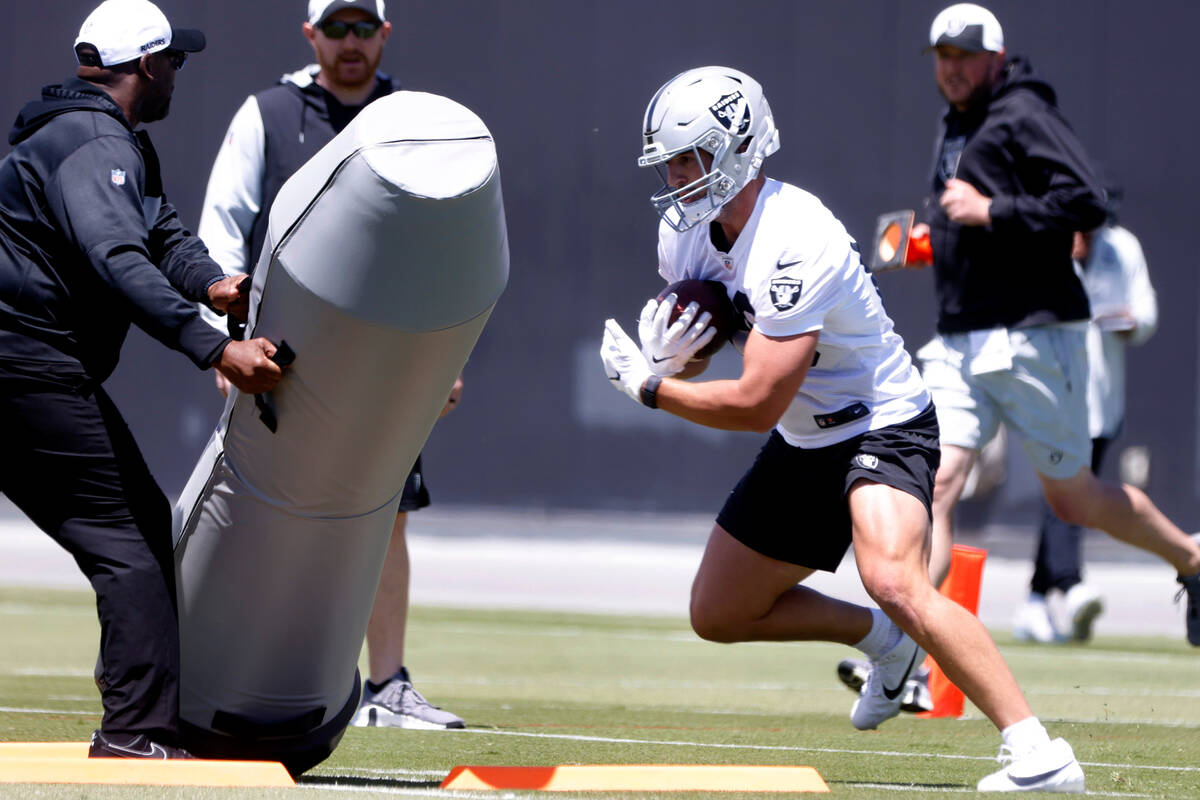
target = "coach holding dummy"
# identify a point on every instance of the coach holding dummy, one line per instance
(89, 244)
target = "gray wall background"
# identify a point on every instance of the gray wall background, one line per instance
(562, 84)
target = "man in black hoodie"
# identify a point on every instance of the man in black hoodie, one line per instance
(271, 136)
(89, 244)
(1010, 186)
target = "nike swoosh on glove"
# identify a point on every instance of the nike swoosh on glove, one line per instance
(624, 363)
(667, 346)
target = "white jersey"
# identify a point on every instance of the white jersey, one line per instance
(795, 269)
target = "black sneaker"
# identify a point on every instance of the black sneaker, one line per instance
(131, 745)
(1191, 585)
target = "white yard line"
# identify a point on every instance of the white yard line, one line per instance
(571, 562)
(785, 748)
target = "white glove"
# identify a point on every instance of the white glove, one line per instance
(624, 364)
(669, 349)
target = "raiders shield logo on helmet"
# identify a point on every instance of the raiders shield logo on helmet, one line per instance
(785, 292)
(733, 112)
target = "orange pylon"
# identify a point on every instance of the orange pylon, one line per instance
(962, 585)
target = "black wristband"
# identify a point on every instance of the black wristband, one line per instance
(650, 391)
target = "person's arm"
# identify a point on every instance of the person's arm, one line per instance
(185, 261)
(455, 396)
(233, 199)
(772, 372)
(96, 199)
(773, 368)
(1050, 153)
(1143, 301)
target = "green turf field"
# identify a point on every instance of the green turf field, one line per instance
(542, 689)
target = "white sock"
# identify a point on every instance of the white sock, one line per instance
(1034, 597)
(1024, 736)
(883, 636)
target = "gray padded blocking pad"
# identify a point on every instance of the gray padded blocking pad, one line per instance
(385, 255)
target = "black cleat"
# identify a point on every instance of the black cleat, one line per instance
(131, 745)
(1191, 586)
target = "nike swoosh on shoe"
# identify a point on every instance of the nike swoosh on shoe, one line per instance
(1030, 780)
(155, 751)
(892, 694)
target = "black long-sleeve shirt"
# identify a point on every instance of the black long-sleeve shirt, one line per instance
(89, 244)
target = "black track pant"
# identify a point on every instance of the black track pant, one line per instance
(1059, 561)
(70, 463)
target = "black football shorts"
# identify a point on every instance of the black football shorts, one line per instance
(415, 495)
(791, 504)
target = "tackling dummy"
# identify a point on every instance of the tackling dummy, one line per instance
(384, 257)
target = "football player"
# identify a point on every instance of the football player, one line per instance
(853, 436)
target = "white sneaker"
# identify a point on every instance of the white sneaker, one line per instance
(853, 673)
(880, 697)
(1032, 622)
(1084, 604)
(1049, 768)
(398, 705)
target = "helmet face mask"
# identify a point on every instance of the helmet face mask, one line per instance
(696, 201)
(721, 112)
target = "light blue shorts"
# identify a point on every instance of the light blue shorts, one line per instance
(1034, 380)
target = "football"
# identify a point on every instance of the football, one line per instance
(711, 297)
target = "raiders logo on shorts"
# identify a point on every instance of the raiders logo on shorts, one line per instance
(867, 461)
(785, 292)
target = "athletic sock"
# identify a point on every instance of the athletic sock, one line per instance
(883, 636)
(375, 687)
(1025, 736)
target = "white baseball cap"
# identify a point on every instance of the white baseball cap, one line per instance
(123, 30)
(968, 27)
(319, 10)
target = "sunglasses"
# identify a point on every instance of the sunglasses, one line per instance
(337, 29)
(176, 58)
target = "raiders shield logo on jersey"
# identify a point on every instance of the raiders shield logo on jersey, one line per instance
(785, 292)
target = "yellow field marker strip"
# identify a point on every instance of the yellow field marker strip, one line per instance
(67, 762)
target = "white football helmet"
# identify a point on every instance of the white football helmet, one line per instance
(716, 109)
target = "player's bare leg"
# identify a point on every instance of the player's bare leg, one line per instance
(740, 595)
(891, 548)
(952, 474)
(1125, 513)
(389, 698)
(388, 623)
(955, 466)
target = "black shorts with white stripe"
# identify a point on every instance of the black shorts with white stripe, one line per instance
(791, 504)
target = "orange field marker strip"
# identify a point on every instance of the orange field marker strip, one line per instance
(67, 762)
(639, 778)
